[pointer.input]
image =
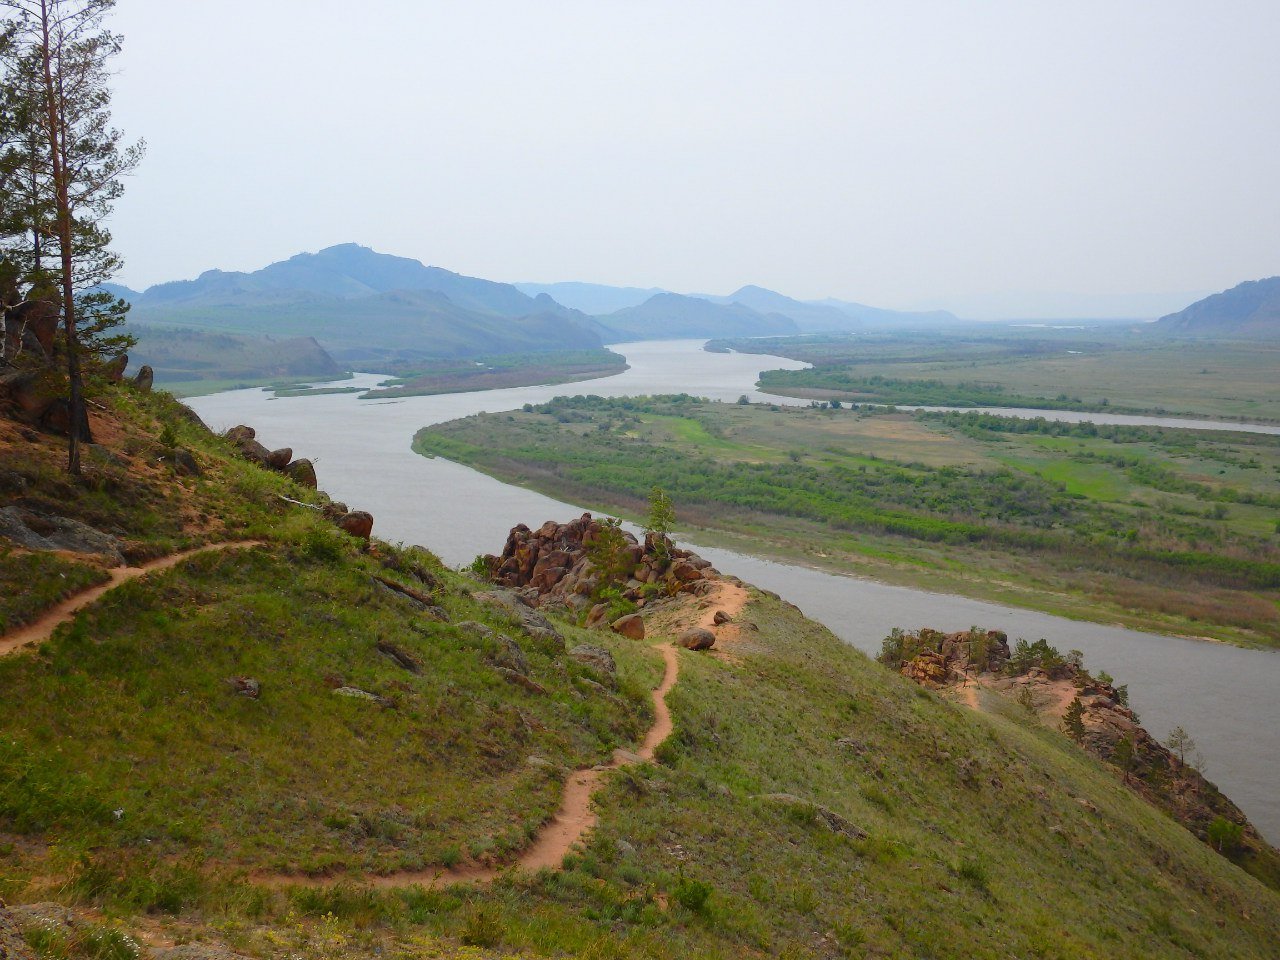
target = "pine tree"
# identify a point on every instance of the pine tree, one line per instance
(1073, 721)
(57, 95)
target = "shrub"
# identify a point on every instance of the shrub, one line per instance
(693, 895)
(1224, 835)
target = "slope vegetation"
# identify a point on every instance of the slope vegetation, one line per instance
(243, 749)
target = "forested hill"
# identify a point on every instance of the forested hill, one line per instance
(1249, 311)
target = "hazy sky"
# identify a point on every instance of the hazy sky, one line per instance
(998, 158)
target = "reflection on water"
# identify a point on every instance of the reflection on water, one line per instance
(1224, 696)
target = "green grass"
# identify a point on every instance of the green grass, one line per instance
(32, 582)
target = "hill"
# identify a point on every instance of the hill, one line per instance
(367, 308)
(809, 317)
(187, 360)
(672, 316)
(1249, 311)
(311, 745)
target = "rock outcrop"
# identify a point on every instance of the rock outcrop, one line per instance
(1047, 684)
(553, 565)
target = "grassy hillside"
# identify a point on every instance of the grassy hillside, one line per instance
(1160, 529)
(140, 786)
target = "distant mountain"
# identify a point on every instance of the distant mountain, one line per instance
(368, 308)
(347, 271)
(1250, 311)
(592, 298)
(809, 317)
(671, 315)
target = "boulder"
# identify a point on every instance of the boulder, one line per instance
(598, 659)
(240, 433)
(720, 617)
(254, 452)
(280, 459)
(685, 571)
(144, 379)
(358, 523)
(630, 626)
(114, 368)
(13, 946)
(57, 419)
(532, 622)
(510, 654)
(246, 687)
(355, 693)
(302, 473)
(520, 680)
(34, 530)
(696, 638)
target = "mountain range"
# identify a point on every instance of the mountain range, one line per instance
(367, 307)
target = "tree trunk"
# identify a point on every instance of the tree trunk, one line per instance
(53, 110)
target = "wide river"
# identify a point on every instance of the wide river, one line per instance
(1224, 696)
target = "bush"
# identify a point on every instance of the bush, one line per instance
(693, 895)
(1224, 835)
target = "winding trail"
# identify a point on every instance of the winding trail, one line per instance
(575, 818)
(43, 626)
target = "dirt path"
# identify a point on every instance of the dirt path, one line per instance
(575, 818)
(43, 626)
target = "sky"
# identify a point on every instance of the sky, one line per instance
(1016, 159)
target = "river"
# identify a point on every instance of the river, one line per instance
(1224, 696)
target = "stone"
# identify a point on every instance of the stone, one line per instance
(355, 693)
(821, 815)
(280, 459)
(144, 378)
(114, 368)
(511, 655)
(685, 571)
(246, 687)
(13, 946)
(531, 621)
(520, 680)
(630, 626)
(34, 530)
(254, 452)
(596, 658)
(303, 473)
(240, 433)
(399, 656)
(597, 614)
(357, 523)
(720, 617)
(696, 638)
(476, 629)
